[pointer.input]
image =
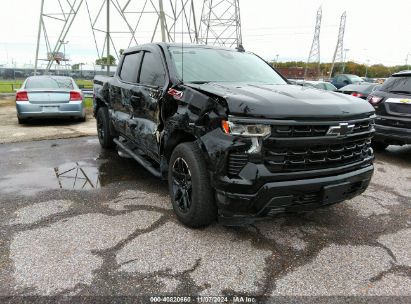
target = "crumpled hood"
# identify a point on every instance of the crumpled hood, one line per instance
(285, 101)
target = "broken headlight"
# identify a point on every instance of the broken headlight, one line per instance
(255, 130)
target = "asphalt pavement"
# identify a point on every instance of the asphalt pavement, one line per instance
(78, 220)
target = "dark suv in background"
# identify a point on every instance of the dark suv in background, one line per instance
(392, 104)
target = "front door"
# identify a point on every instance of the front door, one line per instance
(146, 116)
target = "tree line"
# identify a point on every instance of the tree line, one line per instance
(351, 67)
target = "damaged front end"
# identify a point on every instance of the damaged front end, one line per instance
(260, 167)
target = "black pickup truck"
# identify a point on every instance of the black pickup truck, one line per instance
(235, 140)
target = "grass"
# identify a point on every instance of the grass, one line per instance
(88, 102)
(8, 86)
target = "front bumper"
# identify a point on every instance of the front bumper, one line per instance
(392, 135)
(293, 195)
(70, 109)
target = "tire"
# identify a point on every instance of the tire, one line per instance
(379, 146)
(104, 131)
(83, 118)
(201, 209)
(21, 120)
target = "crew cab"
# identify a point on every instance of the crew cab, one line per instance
(234, 139)
(392, 103)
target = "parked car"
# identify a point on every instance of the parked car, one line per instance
(342, 80)
(322, 85)
(392, 103)
(49, 96)
(361, 90)
(235, 140)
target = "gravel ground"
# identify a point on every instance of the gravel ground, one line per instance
(11, 131)
(77, 220)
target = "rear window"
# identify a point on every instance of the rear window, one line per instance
(364, 88)
(397, 84)
(355, 78)
(49, 83)
(129, 69)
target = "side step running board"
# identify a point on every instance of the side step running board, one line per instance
(146, 164)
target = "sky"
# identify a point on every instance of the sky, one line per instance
(376, 32)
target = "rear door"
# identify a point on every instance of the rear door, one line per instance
(152, 83)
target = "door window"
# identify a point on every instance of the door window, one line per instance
(152, 71)
(129, 69)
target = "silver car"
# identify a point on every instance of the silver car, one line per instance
(49, 96)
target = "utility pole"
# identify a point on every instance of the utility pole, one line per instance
(162, 21)
(314, 55)
(366, 68)
(64, 53)
(276, 60)
(406, 61)
(108, 37)
(339, 49)
(345, 60)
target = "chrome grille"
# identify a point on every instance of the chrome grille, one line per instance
(399, 108)
(307, 130)
(311, 157)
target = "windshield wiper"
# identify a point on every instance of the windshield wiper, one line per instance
(400, 92)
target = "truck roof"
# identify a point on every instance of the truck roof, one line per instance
(165, 45)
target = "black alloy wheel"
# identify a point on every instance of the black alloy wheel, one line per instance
(182, 185)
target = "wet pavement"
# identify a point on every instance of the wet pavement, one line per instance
(77, 220)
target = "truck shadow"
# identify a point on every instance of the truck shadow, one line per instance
(43, 122)
(397, 155)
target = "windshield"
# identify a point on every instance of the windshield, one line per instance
(355, 78)
(49, 83)
(212, 65)
(397, 85)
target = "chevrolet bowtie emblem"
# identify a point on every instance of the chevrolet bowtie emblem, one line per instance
(340, 130)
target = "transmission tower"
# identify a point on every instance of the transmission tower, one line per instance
(314, 55)
(339, 49)
(118, 24)
(220, 23)
(57, 15)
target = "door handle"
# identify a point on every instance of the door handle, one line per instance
(135, 100)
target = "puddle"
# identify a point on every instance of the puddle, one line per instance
(90, 174)
(77, 176)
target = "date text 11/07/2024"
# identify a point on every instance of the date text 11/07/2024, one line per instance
(203, 299)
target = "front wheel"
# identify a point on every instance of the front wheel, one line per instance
(21, 120)
(191, 194)
(104, 132)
